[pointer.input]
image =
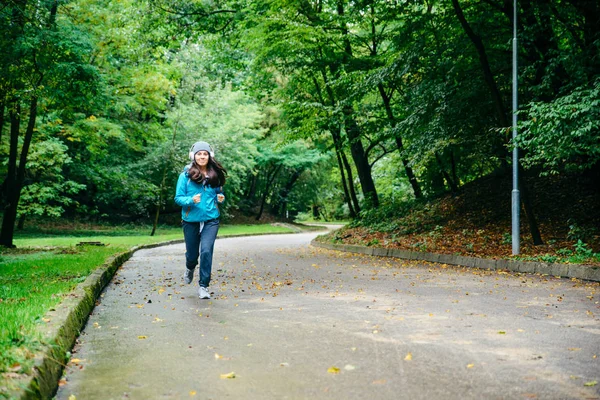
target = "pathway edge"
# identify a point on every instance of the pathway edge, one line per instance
(579, 271)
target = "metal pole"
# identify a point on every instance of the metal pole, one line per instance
(516, 200)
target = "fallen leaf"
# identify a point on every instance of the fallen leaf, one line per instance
(16, 367)
(141, 337)
(501, 333)
(591, 383)
(574, 348)
(408, 357)
(379, 382)
(230, 375)
(218, 356)
(192, 392)
(349, 367)
(72, 397)
(470, 365)
(333, 370)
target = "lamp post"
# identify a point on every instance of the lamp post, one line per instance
(516, 201)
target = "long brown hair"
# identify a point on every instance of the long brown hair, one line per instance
(216, 174)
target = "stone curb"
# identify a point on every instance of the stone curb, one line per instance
(68, 319)
(586, 272)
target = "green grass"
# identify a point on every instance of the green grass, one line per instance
(47, 266)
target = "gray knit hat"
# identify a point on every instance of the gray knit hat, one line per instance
(200, 146)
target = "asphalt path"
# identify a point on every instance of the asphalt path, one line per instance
(291, 321)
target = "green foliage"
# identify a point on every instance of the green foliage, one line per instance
(563, 134)
(48, 192)
(581, 254)
(127, 87)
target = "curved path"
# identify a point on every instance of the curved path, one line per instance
(290, 321)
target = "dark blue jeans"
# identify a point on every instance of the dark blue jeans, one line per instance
(200, 244)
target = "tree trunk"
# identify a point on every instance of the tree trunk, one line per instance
(453, 168)
(407, 168)
(285, 191)
(353, 203)
(337, 141)
(270, 178)
(488, 76)
(251, 192)
(16, 175)
(360, 158)
(526, 200)
(449, 180)
(353, 213)
(2, 110)
(351, 186)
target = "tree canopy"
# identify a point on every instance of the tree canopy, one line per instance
(310, 104)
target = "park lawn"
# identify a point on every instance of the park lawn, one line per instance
(44, 268)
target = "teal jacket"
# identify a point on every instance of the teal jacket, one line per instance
(206, 209)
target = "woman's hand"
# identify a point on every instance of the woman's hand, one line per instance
(196, 198)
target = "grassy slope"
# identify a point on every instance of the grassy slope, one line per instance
(477, 221)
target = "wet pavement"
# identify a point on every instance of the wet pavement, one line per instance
(290, 321)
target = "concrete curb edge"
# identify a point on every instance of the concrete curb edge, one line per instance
(579, 271)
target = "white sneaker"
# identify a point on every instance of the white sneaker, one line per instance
(203, 293)
(188, 275)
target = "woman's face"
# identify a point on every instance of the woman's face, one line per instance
(201, 158)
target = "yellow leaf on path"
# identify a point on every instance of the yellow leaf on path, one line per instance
(501, 333)
(72, 397)
(75, 360)
(408, 357)
(161, 290)
(470, 365)
(592, 383)
(218, 356)
(192, 392)
(574, 348)
(230, 375)
(141, 337)
(333, 370)
(139, 305)
(316, 266)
